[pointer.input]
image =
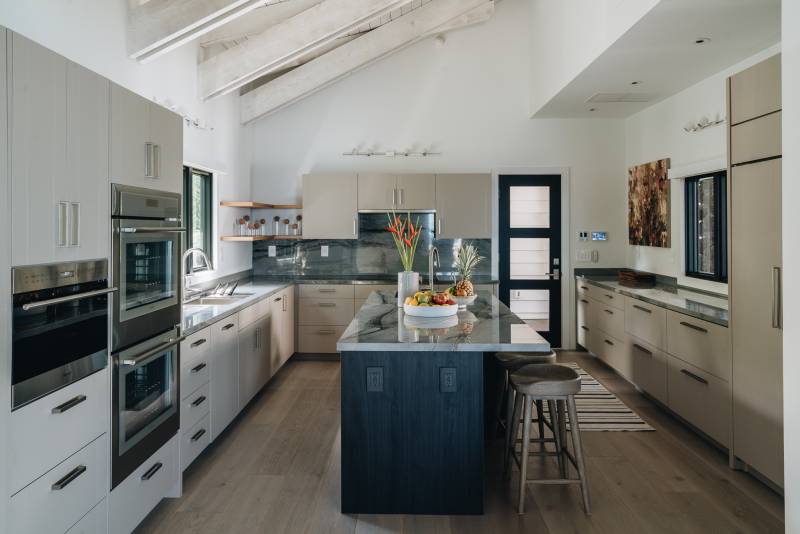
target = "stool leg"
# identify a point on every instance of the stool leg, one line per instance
(526, 441)
(512, 420)
(562, 431)
(555, 422)
(502, 387)
(578, 450)
(540, 420)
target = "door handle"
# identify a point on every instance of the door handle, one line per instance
(198, 343)
(60, 300)
(197, 402)
(199, 434)
(228, 326)
(555, 275)
(777, 308)
(198, 368)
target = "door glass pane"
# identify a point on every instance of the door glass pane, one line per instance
(148, 273)
(529, 258)
(532, 306)
(529, 207)
(706, 225)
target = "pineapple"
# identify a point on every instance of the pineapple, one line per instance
(466, 260)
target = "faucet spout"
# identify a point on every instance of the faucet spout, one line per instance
(187, 255)
(433, 259)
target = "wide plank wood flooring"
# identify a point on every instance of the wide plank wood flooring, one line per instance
(276, 469)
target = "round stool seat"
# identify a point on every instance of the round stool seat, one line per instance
(515, 360)
(547, 379)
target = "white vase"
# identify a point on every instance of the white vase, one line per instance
(407, 285)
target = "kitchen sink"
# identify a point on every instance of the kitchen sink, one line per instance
(219, 300)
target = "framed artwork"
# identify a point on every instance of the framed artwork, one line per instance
(649, 204)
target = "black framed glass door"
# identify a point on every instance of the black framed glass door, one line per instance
(530, 250)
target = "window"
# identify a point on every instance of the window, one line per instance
(198, 202)
(707, 227)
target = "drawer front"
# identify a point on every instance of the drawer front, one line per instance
(327, 291)
(196, 370)
(756, 139)
(195, 406)
(700, 398)
(196, 346)
(95, 522)
(614, 353)
(251, 314)
(50, 429)
(703, 344)
(649, 367)
(137, 495)
(609, 298)
(194, 441)
(646, 321)
(319, 339)
(609, 319)
(335, 312)
(63, 495)
(584, 308)
(584, 289)
(362, 291)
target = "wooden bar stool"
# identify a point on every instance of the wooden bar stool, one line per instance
(510, 362)
(558, 385)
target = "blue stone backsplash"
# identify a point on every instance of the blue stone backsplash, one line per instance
(372, 254)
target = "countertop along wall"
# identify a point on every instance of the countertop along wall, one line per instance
(657, 132)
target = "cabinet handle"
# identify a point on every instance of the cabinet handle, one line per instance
(148, 160)
(355, 223)
(607, 342)
(68, 478)
(228, 326)
(199, 434)
(278, 299)
(257, 338)
(394, 197)
(642, 309)
(200, 400)
(608, 296)
(438, 225)
(61, 408)
(401, 197)
(777, 313)
(585, 288)
(284, 305)
(694, 327)
(609, 312)
(198, 368)
(585, 328)
(327, 305)
(326, 290)
(198, 343)
(62, 214)
(585, 301)
(694, 376)
(156, 161)
(152, 471)
(642, 349)
(74, 224)
(326, 332)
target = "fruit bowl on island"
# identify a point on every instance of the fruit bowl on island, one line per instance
(430, 304)
(462, 300)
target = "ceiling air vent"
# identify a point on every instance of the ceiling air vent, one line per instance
(599, 98)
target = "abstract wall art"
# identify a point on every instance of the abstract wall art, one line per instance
(649, 204)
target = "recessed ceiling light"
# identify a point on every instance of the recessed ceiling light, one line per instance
(702, 40)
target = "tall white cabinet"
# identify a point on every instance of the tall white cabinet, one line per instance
(756, 268)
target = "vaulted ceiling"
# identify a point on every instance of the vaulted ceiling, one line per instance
(276, 52)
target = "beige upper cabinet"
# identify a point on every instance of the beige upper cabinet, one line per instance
(756, 91)
(377, 191)
(330, 206)
(146, 143)
(416, 192)
(463, 206)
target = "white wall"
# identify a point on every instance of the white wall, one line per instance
(791, 261)
(93, 34)
(567, 36)
(657, 132)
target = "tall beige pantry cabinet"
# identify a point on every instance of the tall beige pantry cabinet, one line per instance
(756, 267)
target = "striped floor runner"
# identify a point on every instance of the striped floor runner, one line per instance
(599, 410)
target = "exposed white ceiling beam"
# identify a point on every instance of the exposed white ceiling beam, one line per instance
(480, 14)
(158, 26)
(285, 42)
(430, 19)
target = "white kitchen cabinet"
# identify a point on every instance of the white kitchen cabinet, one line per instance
(146, 143)
(330, 206)
(463, 206)
(584, 311)
(95, 522)
(224, 374)
(254, 358)
(377, 191)
(416, 192)
(282, 329)
(194, 440)
(289, 324)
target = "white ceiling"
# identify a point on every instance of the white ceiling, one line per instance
(660, 52)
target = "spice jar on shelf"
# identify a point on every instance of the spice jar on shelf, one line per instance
(299, 225)
(286, 227)
(239, 227)
(276, 225)
(295, 229)
(263, 224)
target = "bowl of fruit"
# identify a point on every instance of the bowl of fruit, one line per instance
(463, 297)
(463, 292)
(430, 304)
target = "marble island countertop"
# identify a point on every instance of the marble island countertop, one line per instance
(693, 303)
(365, 279)
(487, 325)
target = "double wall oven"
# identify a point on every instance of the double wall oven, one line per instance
(146, 251)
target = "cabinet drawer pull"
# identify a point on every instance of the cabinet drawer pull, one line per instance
(642, 349)
(68, 478)
(199, 434)
(278, 299)
(152, 471)
(198, 343)
(61, 408)
(585, 301)
(327, 290)
(200, 400)
(694, 327)
(694, 376)
(640, 308)
(609, 312)
(228, 326)
(326, 332)
(198, 368)
(608, 296)
(607, 342)
(327, 305)
(585, 328)
(585, 288)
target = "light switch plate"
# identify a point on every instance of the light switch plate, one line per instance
(447, 379)
(324, 251)
(273, 251)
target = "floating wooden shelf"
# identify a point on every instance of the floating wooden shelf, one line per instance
(258, 205)
(251, 238)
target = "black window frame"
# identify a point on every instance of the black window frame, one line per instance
(721, 227)
(208, 202)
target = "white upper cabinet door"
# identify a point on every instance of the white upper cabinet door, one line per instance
(166, 133)
(330, 206)
(756, 91)
(463, 206)
(130, 134)
(377, 191)
(416, 192)
(38, 113)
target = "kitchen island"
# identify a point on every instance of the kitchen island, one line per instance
(414, 394)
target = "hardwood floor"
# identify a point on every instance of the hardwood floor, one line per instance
(276, 470)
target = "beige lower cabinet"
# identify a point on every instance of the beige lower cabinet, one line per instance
(613, 352)
(645, 321)
(703, 344)
(700, 398)
(649, 368)
(583, 314)
(324, 311)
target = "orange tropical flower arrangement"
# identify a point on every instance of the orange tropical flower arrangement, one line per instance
(406, 235)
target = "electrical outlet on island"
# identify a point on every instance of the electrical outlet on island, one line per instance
(324, 251)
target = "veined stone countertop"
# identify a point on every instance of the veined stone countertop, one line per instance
(368, 279)
(487, 325)
(693, 303)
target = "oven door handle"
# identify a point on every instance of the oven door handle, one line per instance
(150, 230)
(167, 344)
(68, 298)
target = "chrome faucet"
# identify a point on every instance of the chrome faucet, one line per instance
(184, 275)
(433, 251)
